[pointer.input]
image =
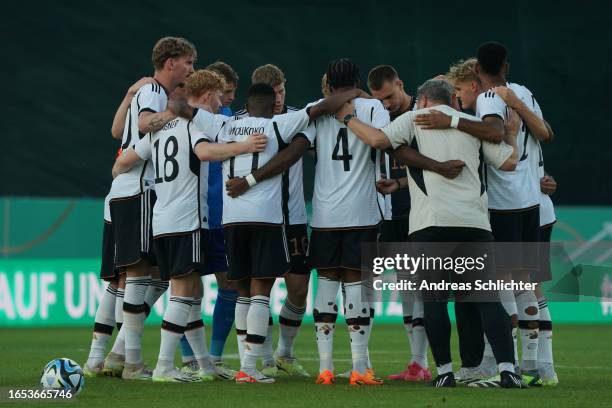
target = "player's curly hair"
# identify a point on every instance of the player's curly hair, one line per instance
(171, 47)
(342, 73)
(463, 71)
(268, 74)
(204, 80)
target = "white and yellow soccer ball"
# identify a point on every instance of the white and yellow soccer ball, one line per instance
(63, 374)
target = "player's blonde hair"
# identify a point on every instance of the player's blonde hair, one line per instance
(324, 86)
(268, 74)
(171, 47)
(204, 80)
(463, 71)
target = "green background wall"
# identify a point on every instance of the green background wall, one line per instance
(67, 64)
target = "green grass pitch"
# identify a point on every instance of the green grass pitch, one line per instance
(582, 356)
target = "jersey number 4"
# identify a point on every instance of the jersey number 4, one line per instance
(170, 151)
(345, 157)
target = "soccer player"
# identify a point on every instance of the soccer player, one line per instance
(131, 198)
(514, 196)
(546, 368)
(216, 260)
(107, 315)
(444, 210)
(294, 216)
(385, 85)
(255, 220)
(543, 133)
(180, 221)
(346, 212)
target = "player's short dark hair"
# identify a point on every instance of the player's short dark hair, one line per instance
(261, 96)
(228, 73)
(342, 73)
(491, 57)
(381, 74)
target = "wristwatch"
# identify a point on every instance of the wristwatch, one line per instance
(347, 118)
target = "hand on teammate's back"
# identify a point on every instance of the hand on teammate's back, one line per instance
(513, 124)
(450, 168)
(548, 185)
(347, 109)
(256, 143)
(387, 186)
(139, 84)
(236, 186)
(180, 108)
(507, 95)
(433, 120)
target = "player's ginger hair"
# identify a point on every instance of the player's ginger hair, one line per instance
(204, 80)
(268, 74)
(463, 71)
(171, 47)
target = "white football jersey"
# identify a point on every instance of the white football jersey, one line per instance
(180, 206)
(107, 214)
(151, 98)
(294, 206)
(346, 171)
(437, 201)
(511, 190)
(385, 199)
(547, 209)
(262, 203)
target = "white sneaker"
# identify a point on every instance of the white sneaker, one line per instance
(224, 372)
(488, 367)
(270, 369)
(207, 375)
(190, 367)
(136, 372)
(468, 375)
(174, 376)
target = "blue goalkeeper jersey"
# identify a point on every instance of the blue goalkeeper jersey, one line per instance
(215, 188)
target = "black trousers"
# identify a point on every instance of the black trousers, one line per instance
(473, 317)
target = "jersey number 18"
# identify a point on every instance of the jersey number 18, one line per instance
(170, 154)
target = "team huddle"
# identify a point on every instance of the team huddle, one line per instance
(198, 189)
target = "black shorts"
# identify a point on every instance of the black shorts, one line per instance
(297, 241)
(181, 254)
(338, 248)
(517, 226)
(395, 230)
(132, 218)
(215, 260)
(256, 251)
(107, 268)
(544, 274)
(458, 243)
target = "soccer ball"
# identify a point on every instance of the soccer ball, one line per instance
(62, 374)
